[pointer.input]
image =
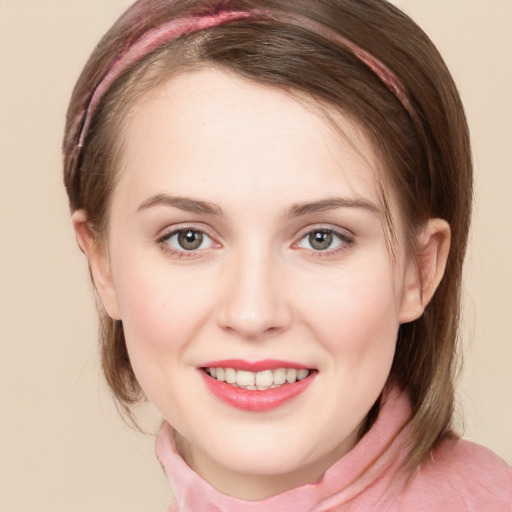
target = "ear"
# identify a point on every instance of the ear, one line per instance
(98, 263)
(425, 269)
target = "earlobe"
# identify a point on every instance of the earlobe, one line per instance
(98, 263)
(426, 269)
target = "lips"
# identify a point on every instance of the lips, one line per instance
(261, 381)
(256, 386)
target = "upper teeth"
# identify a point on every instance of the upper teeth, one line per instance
(266, 379)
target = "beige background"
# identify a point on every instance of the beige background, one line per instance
(62, 444)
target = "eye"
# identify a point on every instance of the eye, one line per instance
(187, 240)
(324, 240)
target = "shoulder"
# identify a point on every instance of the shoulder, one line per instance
(464, 476)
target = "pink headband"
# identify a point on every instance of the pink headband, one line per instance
(179, 27)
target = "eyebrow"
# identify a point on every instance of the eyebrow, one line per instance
(299, 209)
(183, 203)
(196, 206)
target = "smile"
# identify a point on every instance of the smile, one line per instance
(260, 381)
(256, 387)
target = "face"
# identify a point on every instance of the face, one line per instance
(247, 260)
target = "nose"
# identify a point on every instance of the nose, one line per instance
(254, 302)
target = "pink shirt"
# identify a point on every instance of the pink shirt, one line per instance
(461, 476)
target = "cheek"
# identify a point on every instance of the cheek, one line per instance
(357, 301)
(161, 313)
(144, 306)
(373, 306)
(160, 324)
(356, 317)
(154, 296)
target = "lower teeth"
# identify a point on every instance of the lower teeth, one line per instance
(255, 388)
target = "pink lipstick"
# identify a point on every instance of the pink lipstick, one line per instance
(256, 386)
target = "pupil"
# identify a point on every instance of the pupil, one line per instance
(320, 240)
(190, 240)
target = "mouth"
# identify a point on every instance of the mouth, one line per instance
(258, 381)
(260, 386)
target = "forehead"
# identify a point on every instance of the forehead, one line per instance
(214, 133)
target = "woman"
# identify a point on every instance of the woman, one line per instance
(274, 200)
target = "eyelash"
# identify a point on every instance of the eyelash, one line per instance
(343, 241)
(164, 240)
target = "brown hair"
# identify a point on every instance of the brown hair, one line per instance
(424, 146)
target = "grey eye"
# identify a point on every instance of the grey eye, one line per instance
(188, 240)
(320, 240)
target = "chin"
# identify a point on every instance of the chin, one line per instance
(284, 455)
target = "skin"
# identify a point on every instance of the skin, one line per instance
(256, 171)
